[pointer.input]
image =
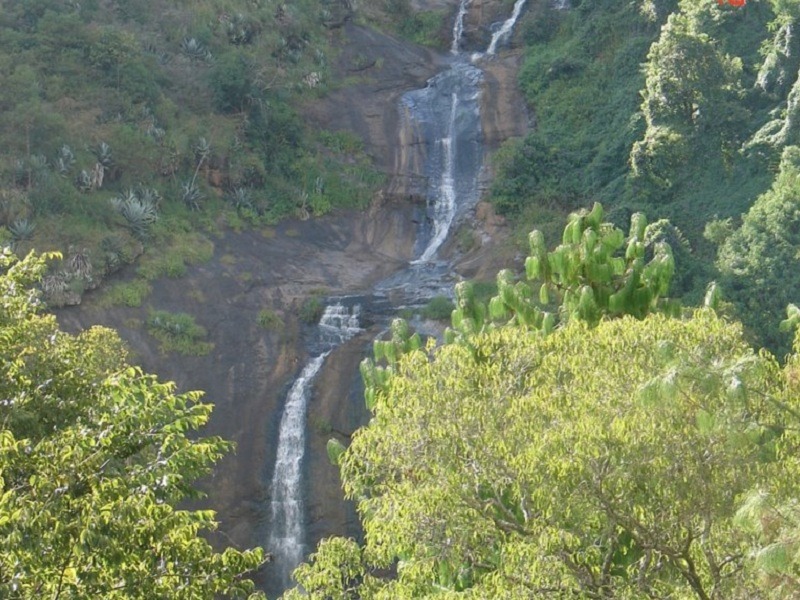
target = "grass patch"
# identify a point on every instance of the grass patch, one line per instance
(178, 332)
(424, 27)
(126, 293)
(269, 320)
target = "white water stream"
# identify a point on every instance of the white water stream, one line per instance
(286, 514)
(444, 209)
(505, 28)
(458, 26)
(287, 524)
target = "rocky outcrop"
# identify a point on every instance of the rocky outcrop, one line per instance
(379, 69)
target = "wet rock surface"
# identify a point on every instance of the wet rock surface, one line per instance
(250, 369)
(248, 372)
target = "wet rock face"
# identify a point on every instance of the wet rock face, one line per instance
(250, 369)
(383, 68)
(481, 15)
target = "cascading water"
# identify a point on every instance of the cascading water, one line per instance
(458, 26)
(286, 514)
(446, 114)
(287, 524)
(447, 123)
(505, 29)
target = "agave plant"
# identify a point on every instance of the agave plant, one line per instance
(202, 150)
(156, 133)
(65, 160)
(149, 195)
(241, 198)
(21, 229)
(80, 264)
(195, 50)
(191, 195)
(103, 154)
(84, 180)
(240, 30)
(32, 170)
(139, 213)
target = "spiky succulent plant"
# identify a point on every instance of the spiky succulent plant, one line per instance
(21, 229)
(191, 195)
(195, 50)
(139, 210)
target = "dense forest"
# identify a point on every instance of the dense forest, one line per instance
(616, 418)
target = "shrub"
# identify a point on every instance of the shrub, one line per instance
(311, 310)
(269, 319)
(438, 308)
(179, 333)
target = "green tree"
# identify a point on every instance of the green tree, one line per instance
(690, 105)
(94, 457)
(755, 261)
(690, 83)
(597, 271)
(590, 463)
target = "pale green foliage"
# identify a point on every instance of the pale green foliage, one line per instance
(772, 511)
(593, 462)
(596, 271)
(94, 456)
(401, 342)
(337, 573)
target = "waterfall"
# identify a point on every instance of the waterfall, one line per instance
(447, 117)
(506, 28)
(445, 208)
(287, 519)
(286, 514)
(458, 26)
(446, 122)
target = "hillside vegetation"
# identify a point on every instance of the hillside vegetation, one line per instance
(680, 109)
(140, 125)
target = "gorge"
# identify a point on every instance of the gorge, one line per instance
(249, 373)
(443, 121)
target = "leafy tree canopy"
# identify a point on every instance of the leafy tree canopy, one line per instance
(94, 457)
(645, 457)
(604, 462)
